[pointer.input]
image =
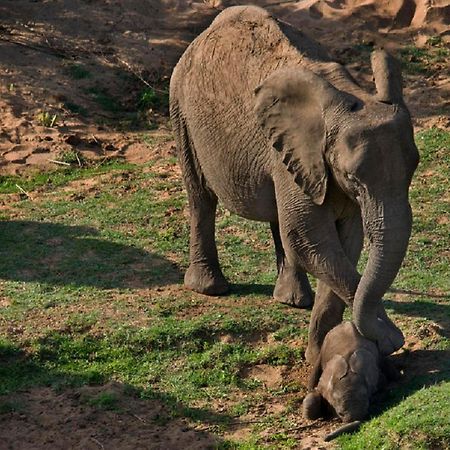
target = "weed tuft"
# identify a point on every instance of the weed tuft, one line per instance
(47, 119)
(78, 72)
(151, 98)
(107, 401)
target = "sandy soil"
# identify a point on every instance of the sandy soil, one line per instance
(123, 47)
(45, 419)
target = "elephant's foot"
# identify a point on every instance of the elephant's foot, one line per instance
(390, 337)
(312, 406)
(381, 330)
(293, 289)
(204, 280)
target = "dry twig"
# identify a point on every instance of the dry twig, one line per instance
(21, 189)
(62, 163)
(97, 442)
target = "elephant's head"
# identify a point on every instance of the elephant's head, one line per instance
(345, 387)
(364, 144)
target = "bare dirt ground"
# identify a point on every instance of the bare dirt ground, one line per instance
(71, 71)
(82, 64)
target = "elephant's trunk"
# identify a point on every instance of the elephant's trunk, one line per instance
(388, 228)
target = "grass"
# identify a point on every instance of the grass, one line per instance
(429, 246)
(152, 98)
(53, 179)
(90, 270)
(423, 60)
(105, 400)
(413, 423)
(78, 71)
(47, 119)
(106, 101)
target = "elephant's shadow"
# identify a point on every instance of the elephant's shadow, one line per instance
(244, 289)
(421, 368)
(58, 254)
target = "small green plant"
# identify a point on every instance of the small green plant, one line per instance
(434, 41)
(78, 72)
(106, 400)
(80, 323)
(105, 100)
(151, 98)
(73, 157)
(47, 119)
(76, 109)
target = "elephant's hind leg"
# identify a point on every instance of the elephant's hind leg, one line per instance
(292, 285)
(204, 274)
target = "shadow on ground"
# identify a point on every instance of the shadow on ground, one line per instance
(47, 408)
(421, 369)
(243, 289)
(75, 255)
(437, 311)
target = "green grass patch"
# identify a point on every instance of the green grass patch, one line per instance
(420, 61)
(105, 100)
(420, 421)
(54, 179)
(88, 294)
(78, 71)
(105, 400)
(426, 266)
(153, 98)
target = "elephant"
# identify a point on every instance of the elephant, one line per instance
(347, 373)
(266, 122)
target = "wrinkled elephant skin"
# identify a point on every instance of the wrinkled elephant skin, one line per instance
(268, 124)
(348, 371)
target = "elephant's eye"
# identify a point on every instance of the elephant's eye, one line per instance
(356, 106)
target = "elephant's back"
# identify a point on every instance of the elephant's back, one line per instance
(241, 47)
(212, 88)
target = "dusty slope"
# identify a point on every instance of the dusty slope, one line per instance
(84, 65)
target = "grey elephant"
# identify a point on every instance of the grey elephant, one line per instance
(347, 373)
(267, 123)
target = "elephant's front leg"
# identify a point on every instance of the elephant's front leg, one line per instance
(328, 307)
(292, 285)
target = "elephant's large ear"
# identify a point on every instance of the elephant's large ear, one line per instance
(339, 366)
(364, 363)
(291, 106)
(335, 369)
(388, 77)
